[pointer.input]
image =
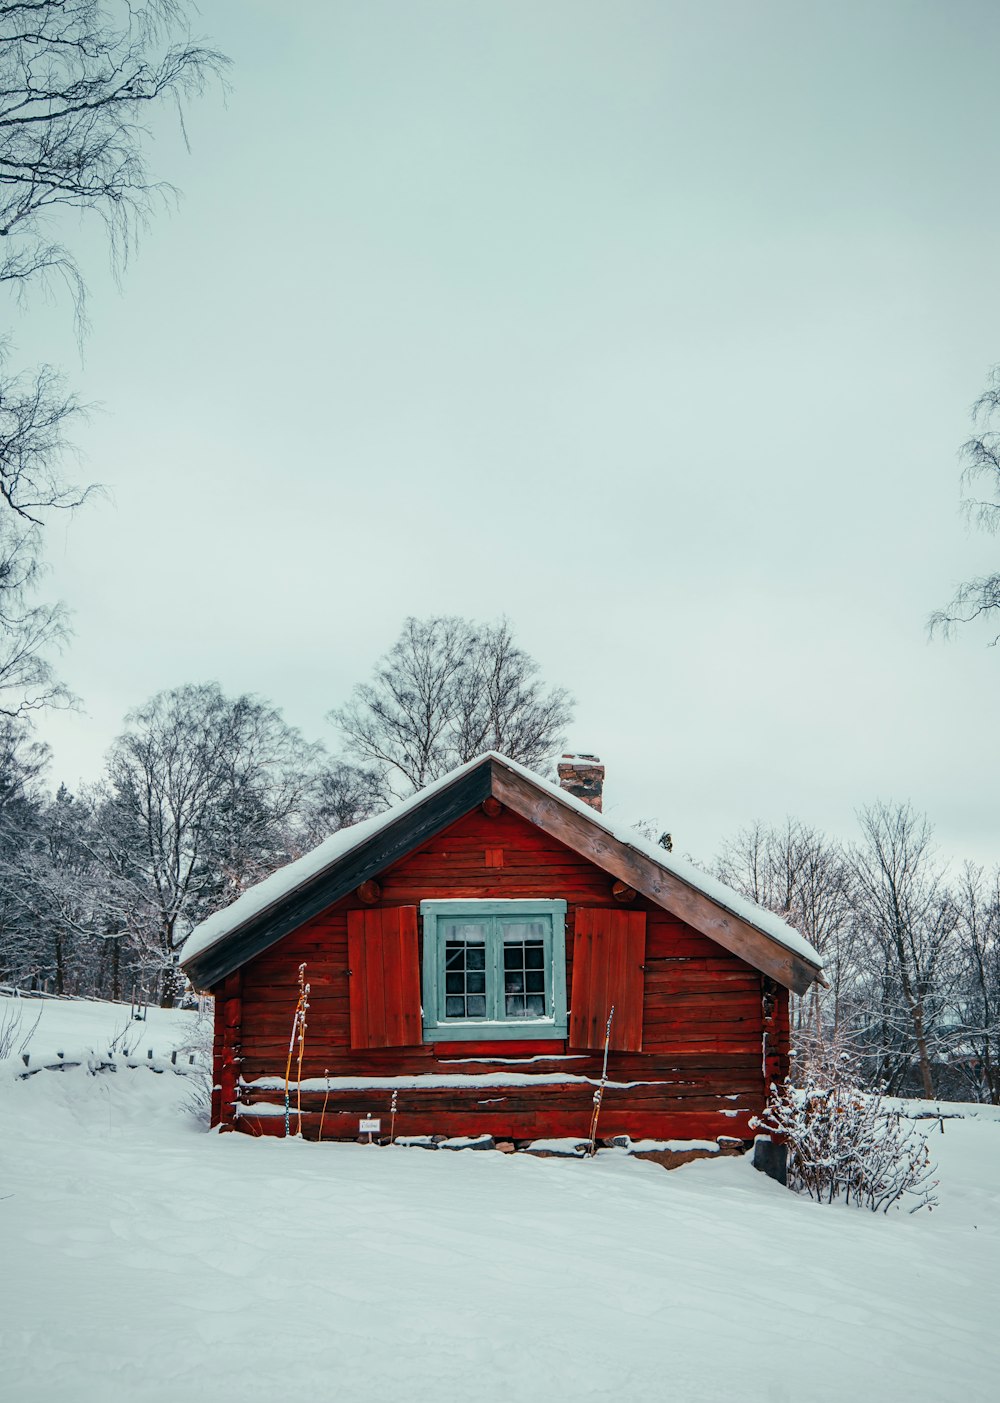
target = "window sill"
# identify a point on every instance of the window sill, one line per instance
(526, 1030)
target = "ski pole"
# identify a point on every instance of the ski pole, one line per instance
(599, 1092)
(326, 1073)
(291, 1052)
(304, 1009)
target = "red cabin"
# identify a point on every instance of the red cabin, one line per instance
(463, 952)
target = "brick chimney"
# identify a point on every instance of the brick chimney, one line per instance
(583, 777)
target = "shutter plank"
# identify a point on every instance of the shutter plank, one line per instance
(410, 1024)
(385, 977)
(608, 956)
(375, 980)
(579, 1011)
(358, 964)
(632, 986)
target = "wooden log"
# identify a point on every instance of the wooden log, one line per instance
(226, 1052)
(653, 1125)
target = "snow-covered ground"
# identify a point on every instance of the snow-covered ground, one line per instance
(51, 1030)
(143, 1259)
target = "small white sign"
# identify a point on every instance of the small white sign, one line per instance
(369, 1126)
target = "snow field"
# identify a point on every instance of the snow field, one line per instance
(53, 1029)
(145, 1260)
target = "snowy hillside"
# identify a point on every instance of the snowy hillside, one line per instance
(52, 1030)
(146, 1260)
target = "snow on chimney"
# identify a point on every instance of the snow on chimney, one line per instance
(583, 777)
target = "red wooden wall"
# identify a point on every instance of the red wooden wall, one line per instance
(709, 1020)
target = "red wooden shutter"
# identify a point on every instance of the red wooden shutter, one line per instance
(608, 955)
(385, 977)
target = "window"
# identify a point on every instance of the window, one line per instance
(494, 969)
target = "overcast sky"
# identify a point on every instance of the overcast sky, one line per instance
(653, 326)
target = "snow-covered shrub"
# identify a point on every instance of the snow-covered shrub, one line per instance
(199, 1075)
(845, 1142)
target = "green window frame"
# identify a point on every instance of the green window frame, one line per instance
(472, 996)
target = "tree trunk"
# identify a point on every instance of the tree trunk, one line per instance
(116, 969)
(60, 954)
(917, 1015)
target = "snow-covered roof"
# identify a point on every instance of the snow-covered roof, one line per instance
(272, 890)
(288, 880)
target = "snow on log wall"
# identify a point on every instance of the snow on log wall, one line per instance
(700, 1073)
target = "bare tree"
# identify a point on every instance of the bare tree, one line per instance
(200, 788)
(805, 878)
(35, 411)
(981, 472)
(447, 690)
(910, 920)
(978, 1000)
(343, 795)
(54, 887)
(503, 705)
(76, 77)
(29, 631)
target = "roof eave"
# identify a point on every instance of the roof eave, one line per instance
(257, 934)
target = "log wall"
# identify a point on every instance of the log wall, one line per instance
(701, 1071)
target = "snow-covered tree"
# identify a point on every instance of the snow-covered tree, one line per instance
(909, 921)
(200, 795)
(976, 1054)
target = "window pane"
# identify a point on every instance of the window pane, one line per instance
(524, 970)
(465, 975)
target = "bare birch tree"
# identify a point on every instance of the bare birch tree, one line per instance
(909, 920)
(978, 999)
(76, 78)
(447, 690)
(979, 596)
(804, 877)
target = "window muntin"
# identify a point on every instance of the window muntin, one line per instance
(464, 972)
(494, 969)
(525, 967)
